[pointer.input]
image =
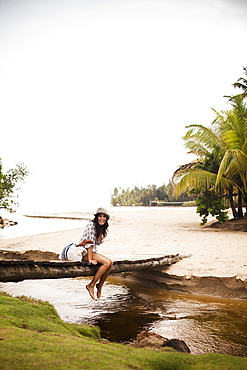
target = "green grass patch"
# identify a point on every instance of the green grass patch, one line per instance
(32, 336)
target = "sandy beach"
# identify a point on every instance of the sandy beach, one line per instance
(151, 230)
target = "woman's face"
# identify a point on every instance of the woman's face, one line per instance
(102, 219)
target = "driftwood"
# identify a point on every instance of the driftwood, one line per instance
(18, 270)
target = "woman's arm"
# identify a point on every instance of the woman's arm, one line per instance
(84, 242)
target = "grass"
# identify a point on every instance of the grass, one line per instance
(32, 336)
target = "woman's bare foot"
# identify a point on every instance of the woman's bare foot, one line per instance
(90, 290)
(99, 288)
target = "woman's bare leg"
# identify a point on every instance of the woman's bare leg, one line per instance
(101, 274)
(103, 278)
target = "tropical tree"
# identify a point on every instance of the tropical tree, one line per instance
(233, 167)
(219, 171)
(8, 182)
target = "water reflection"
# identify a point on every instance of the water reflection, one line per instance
(126, 308)
(123, 326)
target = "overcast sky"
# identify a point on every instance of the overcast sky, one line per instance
(96, 94)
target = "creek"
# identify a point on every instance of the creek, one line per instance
(126, 308)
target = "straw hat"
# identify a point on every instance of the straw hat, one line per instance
(102, 210)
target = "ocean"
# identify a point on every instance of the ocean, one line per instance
(32, 226)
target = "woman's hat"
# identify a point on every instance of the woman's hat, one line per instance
(102, 210)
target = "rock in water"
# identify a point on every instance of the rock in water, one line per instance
(147, 339)
(178, 345)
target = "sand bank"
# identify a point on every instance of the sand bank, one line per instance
(144, 231)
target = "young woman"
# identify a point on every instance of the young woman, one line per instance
(93, 235)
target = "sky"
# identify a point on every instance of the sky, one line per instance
(96, 94)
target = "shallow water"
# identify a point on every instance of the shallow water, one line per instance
(126, 308)
(32, 226)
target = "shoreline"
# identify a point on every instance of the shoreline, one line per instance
(217, 255)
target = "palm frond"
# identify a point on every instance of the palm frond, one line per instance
(182, 170)
(233, 165)
(226, 184)
(242, 83)
(195, 179)
(201, 140)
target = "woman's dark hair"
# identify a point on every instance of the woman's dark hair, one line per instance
(100, 229)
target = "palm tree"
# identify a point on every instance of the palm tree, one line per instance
(221, 150)
(233, 166)
(242, 83)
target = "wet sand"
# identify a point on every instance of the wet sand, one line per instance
(148, 231)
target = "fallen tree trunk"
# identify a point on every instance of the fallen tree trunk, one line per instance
(18, 270)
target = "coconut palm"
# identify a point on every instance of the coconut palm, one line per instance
(233, 167)
(221, 150)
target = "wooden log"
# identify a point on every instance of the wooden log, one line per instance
(17, 270)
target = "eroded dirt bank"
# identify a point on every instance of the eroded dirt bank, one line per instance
(223, 287)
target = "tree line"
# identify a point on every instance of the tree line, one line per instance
(148, 196)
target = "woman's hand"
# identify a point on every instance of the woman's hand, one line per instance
(93, 262)
(89, 256)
